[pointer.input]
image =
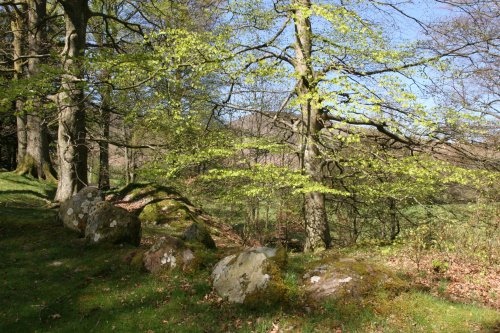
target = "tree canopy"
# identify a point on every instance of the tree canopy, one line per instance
(347, 111)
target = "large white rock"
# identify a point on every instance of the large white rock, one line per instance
(250, 275)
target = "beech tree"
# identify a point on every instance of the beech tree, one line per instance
(29, 22)
(72, 144)
(36, 160)
(17, 13)
(71, 135)
(339, 72)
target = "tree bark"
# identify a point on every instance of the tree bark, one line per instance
(22, 140)
(36, 161)
(104, 145)
(72, 150)
(18, 26)
(315, 218)
(101, 38)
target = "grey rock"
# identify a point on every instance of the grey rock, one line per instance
(74, 212)
(168, 253)
(347, 277)
(109, 224)
(198, 232)
(249, 276)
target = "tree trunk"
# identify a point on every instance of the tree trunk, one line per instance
(71, 134)
(104, 145)
(126, 154)
(316, 223)
(18, 26)
(127, 166)
(101, 38)
(393, 218)
(37, 159)
(22, 140)
(104, 157)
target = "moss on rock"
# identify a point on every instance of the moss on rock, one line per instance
(342, 278)
(170, 253)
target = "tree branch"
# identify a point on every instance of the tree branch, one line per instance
(131, 26)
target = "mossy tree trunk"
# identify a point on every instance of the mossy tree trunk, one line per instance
(18, 26)
(36, 161)
(71, 139)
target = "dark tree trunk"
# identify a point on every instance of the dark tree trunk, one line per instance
(126, 155)
(72, 149)
(104, 145)
(393, 213)
(316, 223)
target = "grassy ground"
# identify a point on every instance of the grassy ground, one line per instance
(51, 282)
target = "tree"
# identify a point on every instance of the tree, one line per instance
(26, 88)
(339, 73)
(71, 144)
(36, 160)
(467, 89)
(18, 25)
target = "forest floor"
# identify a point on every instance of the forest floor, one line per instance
(50, 281)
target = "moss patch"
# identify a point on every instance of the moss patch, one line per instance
(349, 278)
(165, 212)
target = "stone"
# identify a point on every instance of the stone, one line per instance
(251, 277)
(341, 278)
(74, 212)
(198, 232)
(169, 253)
(109, 224)
(178, 219)
(166, 212)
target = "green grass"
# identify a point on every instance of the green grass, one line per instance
(51, 282)
(24, 191)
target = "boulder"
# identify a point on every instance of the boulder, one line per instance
(178, 220)
(198, 232)
(165, 212)
(109, 224)
(341, 278)
(75, 211)
(251, 277)
(168, 253)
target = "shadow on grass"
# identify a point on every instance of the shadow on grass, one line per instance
(23, 193)
(52, 282)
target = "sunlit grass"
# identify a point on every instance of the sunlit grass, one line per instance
(24, 191)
